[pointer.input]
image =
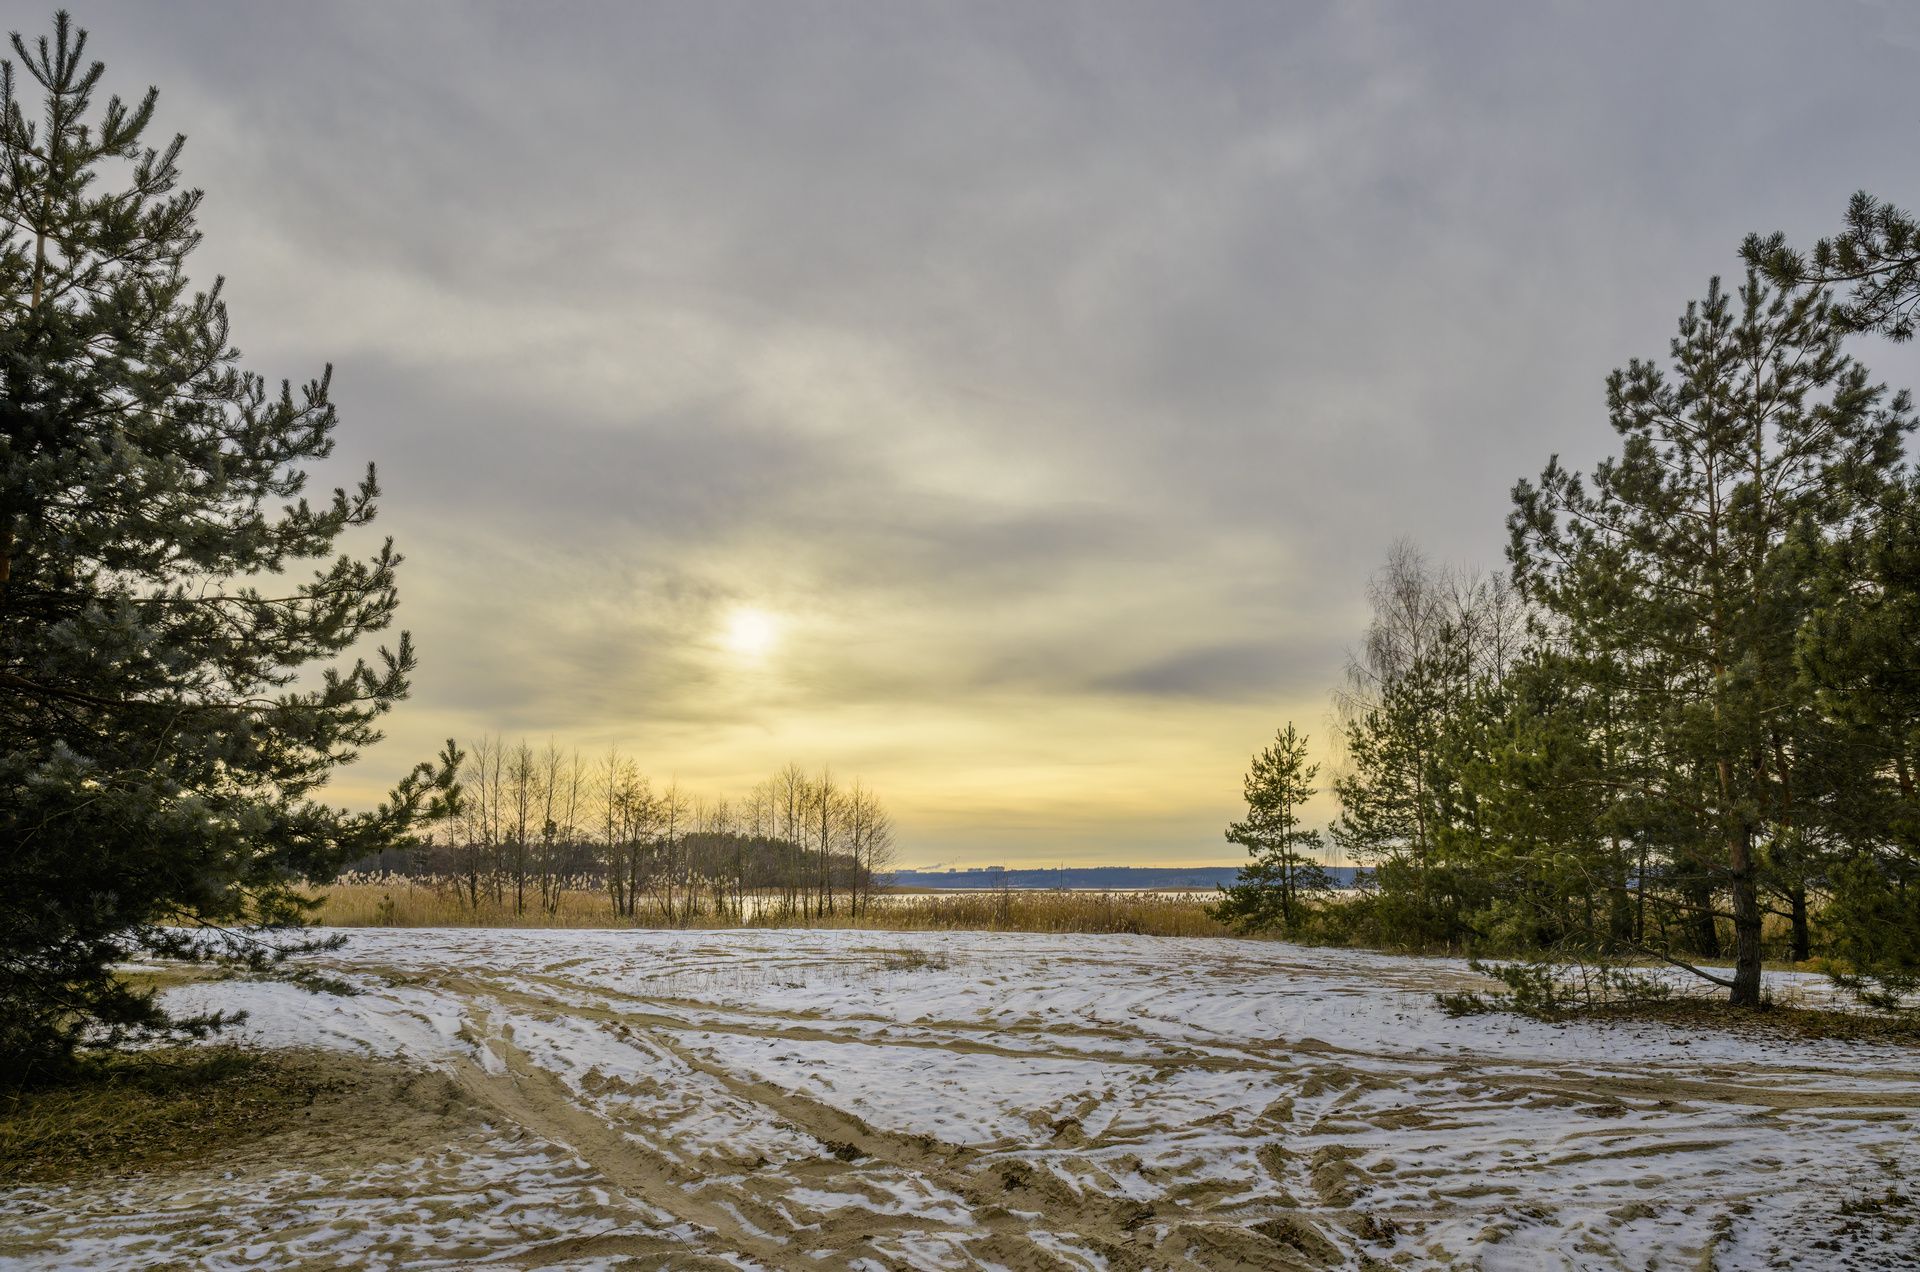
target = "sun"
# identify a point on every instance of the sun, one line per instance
(750, 632)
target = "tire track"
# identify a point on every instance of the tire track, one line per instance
(1007, 1196)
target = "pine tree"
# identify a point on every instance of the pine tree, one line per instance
(1537, 864)
(1857, 653)
(1284, 872)
(1382, 793)
(1679, 564)
(1877, 255)
(170, 704)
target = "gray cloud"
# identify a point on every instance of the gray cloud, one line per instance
(1232, 671)
(1057, 372)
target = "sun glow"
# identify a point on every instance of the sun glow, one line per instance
(750, 632)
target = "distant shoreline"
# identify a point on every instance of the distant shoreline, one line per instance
(1083, 879)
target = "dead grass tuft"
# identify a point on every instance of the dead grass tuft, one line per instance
(129, 1112)
(1777, 1023)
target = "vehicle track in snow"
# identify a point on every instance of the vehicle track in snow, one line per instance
(957, 1100)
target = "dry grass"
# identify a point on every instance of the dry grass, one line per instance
(1778, 1023)
(133, 1111)
(408, 903)
(1146, 914)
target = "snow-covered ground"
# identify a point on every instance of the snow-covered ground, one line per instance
(934, 1100)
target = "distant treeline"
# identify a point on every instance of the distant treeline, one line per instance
(1087, 878)
(533, 823)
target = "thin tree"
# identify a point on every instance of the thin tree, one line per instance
(522, 796)
(480, 821)
(825, 816)
(670, 816)
(790, 790)
(1285, 867)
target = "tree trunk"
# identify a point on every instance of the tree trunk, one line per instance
(1640, 896)
(1619, 905)
(1802, 932)
(1706, 933)
(1746, 923)
(1620, 917)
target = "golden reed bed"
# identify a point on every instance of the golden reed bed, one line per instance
(411, 903)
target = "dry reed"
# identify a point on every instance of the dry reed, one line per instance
(400, 902)
(1146, 914)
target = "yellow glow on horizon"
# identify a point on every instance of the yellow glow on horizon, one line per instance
(976, 767)
(750, 632)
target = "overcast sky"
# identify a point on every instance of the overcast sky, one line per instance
(1004, 403)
